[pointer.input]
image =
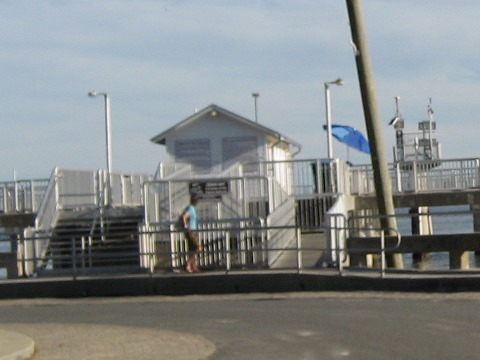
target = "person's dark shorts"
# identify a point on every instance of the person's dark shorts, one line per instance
(192, 240)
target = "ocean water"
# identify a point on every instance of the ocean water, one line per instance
(4, 241)
(444, 220)
(4, 247)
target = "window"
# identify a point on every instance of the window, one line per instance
(195, 152)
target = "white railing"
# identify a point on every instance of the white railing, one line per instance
(127, 190)
(77, 189)
(307, 177)
(82, 189)
(166, 199)
(420, 176)
(22, 196)
(226, 243)
(436, 175)
(233, 171)
(169, 170)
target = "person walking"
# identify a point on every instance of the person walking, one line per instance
(190, 227)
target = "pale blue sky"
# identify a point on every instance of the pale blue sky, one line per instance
(161, 59)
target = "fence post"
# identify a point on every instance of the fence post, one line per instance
(398, 175)
(74, 263)
(83, 252)
(415, 179)
(382, 245)
(338, 251)
(299, 251)
(476, 181)
(227, 253)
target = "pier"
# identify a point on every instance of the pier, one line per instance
(260, 209)
(96, 242)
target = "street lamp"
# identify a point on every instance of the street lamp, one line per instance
(108, 190)
(338, 82)
(108, 127)
(255, 97)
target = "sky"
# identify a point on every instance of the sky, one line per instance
(159, 60)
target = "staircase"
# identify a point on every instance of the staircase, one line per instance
(95, 241)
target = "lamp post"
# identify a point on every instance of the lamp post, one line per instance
(108, 127)
(338, 82)
(108, 146)
(255, 97)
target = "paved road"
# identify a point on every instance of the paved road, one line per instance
(303, 326)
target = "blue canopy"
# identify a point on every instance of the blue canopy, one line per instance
(350, 137)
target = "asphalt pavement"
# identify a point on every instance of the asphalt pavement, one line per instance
(301, 325)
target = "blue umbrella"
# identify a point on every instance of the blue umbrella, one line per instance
(350, 137)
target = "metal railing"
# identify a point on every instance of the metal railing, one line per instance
(74, 189)
(421, 176)
(22, 196)
(303, 179)
(306, 177)
(228, 246)
(246, 196)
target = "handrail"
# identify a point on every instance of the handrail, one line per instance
(47, 207)
(382, 244)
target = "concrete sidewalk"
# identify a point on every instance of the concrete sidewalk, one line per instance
(15, 346)
(60, 341)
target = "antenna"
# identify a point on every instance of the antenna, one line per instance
(430, 109)
(398, 124)
(430, 126)
(397, 121)
(397, 99)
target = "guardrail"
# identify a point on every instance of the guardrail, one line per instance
(225, 241)
(420, 176)
(227, 247)
(22, 195)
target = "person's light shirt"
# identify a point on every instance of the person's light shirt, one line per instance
(192, 217)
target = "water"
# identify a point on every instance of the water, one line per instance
(445, 220)
(5, 246)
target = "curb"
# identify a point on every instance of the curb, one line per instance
(15, 346)
(217, 283)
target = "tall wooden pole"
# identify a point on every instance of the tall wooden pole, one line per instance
(373, 125)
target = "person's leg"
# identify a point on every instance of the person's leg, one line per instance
(194, 248)
(191, 263)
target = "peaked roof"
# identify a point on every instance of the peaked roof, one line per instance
(160, 138)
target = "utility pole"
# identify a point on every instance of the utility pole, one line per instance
(374, 131)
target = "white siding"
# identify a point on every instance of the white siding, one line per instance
(229, 141)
